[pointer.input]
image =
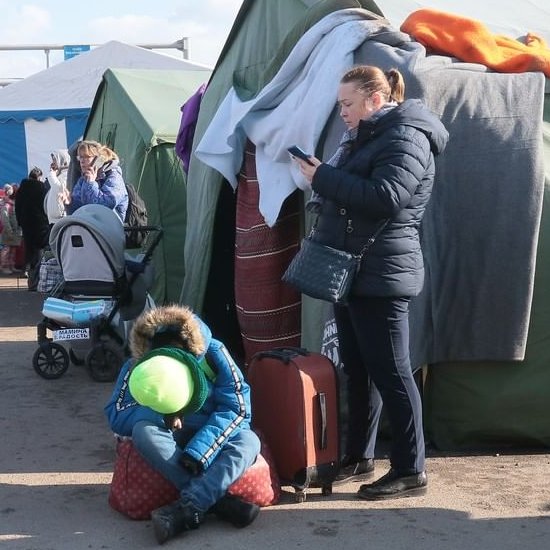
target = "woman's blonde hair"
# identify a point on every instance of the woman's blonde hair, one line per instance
(94, 148)
(370, 79)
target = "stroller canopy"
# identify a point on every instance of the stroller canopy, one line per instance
(102, 247)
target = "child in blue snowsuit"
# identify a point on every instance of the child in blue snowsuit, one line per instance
(194, 428)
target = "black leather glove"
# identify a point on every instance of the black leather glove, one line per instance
(193, 466)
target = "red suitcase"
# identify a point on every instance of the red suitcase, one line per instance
(294, 396)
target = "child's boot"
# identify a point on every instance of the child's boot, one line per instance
(173, 519)
(236, 511)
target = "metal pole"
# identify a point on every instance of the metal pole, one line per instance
(182, 45)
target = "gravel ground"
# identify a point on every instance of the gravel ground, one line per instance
(57, 456)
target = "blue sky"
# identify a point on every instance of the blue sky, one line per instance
(205, 22)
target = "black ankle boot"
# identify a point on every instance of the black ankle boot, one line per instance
(173, 519)
(236, 511)
(395, 485)
(354, 470)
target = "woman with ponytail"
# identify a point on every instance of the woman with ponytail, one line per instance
(383, 170)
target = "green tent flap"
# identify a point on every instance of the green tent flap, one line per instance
(137, 113)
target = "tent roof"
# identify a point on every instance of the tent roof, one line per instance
(152, 98)
(72, 84)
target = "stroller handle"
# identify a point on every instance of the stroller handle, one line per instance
(150, 248)
(144, 261)
(159, 232)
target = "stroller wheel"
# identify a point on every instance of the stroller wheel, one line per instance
(104, 361)
(51, 361)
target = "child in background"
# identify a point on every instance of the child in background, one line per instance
(11, 234)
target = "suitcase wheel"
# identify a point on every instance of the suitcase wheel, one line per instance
(326, 490)
(300, 495)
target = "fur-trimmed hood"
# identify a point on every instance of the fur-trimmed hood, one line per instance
(191, 329)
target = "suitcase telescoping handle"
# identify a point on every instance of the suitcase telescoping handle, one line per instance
(283, 354)
(322, 402)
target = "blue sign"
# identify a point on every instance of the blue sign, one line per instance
(72, 51)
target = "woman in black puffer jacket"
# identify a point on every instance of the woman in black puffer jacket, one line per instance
(384, 169)
(29, 210)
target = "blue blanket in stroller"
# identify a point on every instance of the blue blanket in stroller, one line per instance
(74, 313)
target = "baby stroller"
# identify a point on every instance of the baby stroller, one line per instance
(103, 290)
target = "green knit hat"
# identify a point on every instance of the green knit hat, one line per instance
(169, 380)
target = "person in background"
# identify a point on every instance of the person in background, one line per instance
(11, 234)
(101, 180)
(185, 403)
(19, 250)
(29, 210)
(383, 170)
(58, 196)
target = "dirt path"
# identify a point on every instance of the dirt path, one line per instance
(57, 454)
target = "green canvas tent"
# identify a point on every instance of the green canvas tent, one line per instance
(488, 401)
(137, 113)
(262, 35)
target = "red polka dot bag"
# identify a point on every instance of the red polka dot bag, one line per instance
(260, 484)
(137, 489)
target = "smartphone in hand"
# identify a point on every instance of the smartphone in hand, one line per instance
(295, 151)
(97, 162)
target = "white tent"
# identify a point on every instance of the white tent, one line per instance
(48, 110)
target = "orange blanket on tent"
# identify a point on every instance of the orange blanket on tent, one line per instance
(469, 40)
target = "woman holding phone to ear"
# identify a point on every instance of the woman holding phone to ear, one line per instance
(101, 181)
(383, 170)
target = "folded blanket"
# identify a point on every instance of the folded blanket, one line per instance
(74, 313)
(290, 110)
(469, 40)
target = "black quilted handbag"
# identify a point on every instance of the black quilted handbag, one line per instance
(323, 272)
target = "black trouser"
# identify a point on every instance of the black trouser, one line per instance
(373, 334)
(33, 255)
